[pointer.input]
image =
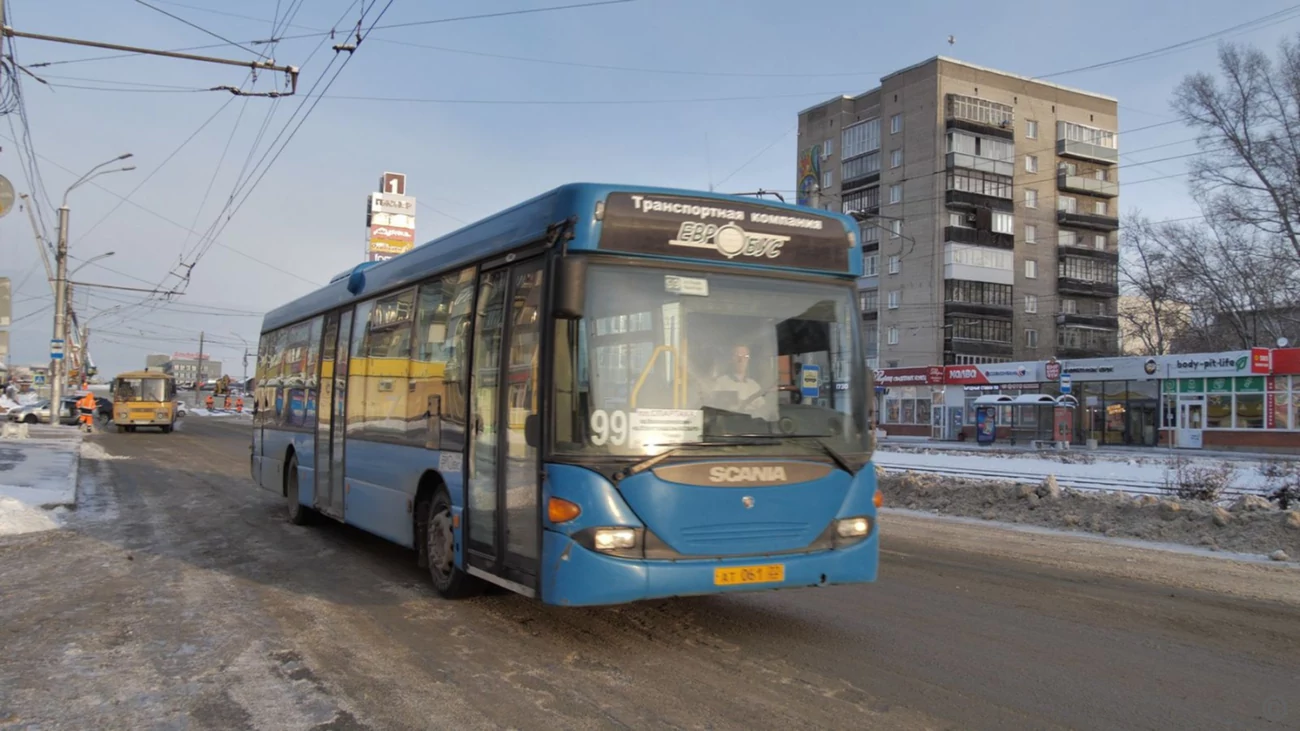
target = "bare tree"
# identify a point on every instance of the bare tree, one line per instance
(1241, 268)
(1152, 312)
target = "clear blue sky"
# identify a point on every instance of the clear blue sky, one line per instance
(497, 133)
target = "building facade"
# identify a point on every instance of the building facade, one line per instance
(989, 206)
(184, 367)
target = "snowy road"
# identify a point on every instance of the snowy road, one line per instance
(179, 598)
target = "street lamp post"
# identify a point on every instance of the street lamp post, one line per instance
(61, 283)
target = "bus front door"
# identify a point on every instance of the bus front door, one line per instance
(503, 520)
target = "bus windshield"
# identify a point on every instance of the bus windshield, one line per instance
(666, 357)
(140, 389)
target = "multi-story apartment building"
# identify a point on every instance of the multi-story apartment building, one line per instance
(989, 208)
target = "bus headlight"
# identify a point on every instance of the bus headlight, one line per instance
(614, 539)
(122, 414)
(161, 414)
(851, 528)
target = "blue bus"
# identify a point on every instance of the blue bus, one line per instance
(604, 394)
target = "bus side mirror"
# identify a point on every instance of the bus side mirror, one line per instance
(533, 431)
(570, 287)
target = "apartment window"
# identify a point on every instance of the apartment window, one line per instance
(979, 183)
(870, 233)
(986, 147)
(828, 180)
(893, 336)
(870, 265)
(1031, 198)
(979, 293)
(977, 328)
(979, 256)
(895, 124)
(895, 264)
(1031, 303)
(1099, 242)
(895, 229)
(869, 300)
(1031, 163)
(979, 110)
(896, 193)
(1068, 238)
(1031, 338)
(1031, 234)
(1087, 269)
(867, 199)
(1100, 208)
(861, 166)
(860, 138)
(1031, 129)
(896, 158)
(1082, 133)
(1099, 174)
(1069, 307)
(1031, 269)
(1004, 223)
(1101, 308)
(957, 219)
(828, 148)
(1067, 204)
(895, 298)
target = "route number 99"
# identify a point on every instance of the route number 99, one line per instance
(608, 427)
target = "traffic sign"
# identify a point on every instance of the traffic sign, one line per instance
(56, 349)
(1065, 383)
(6, 196)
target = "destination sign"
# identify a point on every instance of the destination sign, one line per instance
(723, 231)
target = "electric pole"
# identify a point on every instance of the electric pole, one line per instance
(60, 312)
(198, 388)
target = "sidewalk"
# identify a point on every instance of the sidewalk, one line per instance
(38, 478)
(1111, 451)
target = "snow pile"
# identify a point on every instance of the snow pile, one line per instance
(6, 404)
(17, 517)
(200, 411)
(1251, 525)
(91, 450)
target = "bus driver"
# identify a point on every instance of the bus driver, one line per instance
(750, 397)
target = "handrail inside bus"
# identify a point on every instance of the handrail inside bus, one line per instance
(645, 373)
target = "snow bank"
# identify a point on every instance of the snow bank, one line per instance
(91, 450)
(200, 411)
(41, 472)
(1252, 525)
(17, 517)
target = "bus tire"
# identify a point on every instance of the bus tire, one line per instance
(166, 430)
(449, 580)
(299, 514)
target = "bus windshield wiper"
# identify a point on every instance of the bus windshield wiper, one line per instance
(830, 451)
(676, 447)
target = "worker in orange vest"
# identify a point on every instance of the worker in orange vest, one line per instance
(209, 402)
(226, 406)
(239, 404)
(87, 405)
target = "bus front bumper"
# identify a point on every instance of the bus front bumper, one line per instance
(576, 576)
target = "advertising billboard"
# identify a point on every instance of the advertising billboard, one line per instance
(390, 219)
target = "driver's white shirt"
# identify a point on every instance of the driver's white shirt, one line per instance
(761, 406)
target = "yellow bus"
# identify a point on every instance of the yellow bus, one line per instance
(144, 398)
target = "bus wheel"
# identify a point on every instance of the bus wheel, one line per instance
(448, 580)
(166, 430)
(299, 514)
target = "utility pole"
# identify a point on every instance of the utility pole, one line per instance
(60, 311)
(198, 387)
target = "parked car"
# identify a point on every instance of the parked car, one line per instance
(180, 409)
(103, 408)
(39, 412)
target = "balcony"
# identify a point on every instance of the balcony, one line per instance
(980, 116)
(962, 346)
(1089, 252)
(1086, 184)
(1067, 285)
(978, 237)
(1109, 322)
(1087, 151)
(977, 308)
(1087, 220)
(1086, 342)
(983, 164)
(962, 199)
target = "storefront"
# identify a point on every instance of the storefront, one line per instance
(1240, 399)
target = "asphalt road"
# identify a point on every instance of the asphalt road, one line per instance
(180, 598)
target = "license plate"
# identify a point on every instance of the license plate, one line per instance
(734, 575)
